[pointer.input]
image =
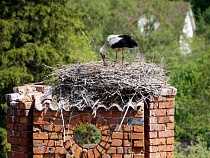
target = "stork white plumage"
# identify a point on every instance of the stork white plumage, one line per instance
(117, 42)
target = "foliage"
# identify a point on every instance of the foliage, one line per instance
(192, 105)
(34, 34)
(87, 135)
(198, 150)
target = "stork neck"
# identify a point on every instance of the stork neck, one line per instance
(104, 48)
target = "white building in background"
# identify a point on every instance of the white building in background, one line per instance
(146, 25)
(188, 30)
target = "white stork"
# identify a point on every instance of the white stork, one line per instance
(117, 42)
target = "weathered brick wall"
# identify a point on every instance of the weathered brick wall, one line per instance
(159, 126)
(40, 134)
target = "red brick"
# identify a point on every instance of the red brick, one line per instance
(165, 148)
(152, 148)
(104, 127)
(96, 153)
(38, 143)
(41, 120)
(25, 127)
(84, 118)
(106, 114)
(170, 140)
(22, 112)
(117, 156)
(161, 141)
(138, 156)
(126, 143)
(116, 114)
(17, 134)
(126, 135)
(55, 135)
(26, 149)
(48, 113)
(155, 127)
(37, 113)
(159, 98)
(20, 141)
(170, 112)
(58, 121)
(151, 142)
(151, 134)
(138, 143)
(58, 143)
(137, 135)
(117, 135)
(119, 150)
(127, 128)
(170, 126)
(49, 142)
(104, 156)
(138, 128)
(100, 122)
(170, 154)
(58, 128)
(116, 142)
(39, 150)
(164, 134)
(90, 154)
(60, 150)
(167, 104)
(89, 118)
(78, 119)
(101, 149)
(26, 105)
(138, 114)
(9, 125)
(127, 150)
(153, 105)
(151, 120)
(112, 150)
(22, 155)
(26, 134)
(78, 152)
(37, 156)
(106, 132)
(104, 144)
(105, 138)
(168, 119)
(10, 139)
(25, 119)
(48, 127)
(40, 135)
(112, 120)
(160, 112)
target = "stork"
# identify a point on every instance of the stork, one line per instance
(117, 42)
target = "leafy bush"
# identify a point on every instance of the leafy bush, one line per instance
(198, 150)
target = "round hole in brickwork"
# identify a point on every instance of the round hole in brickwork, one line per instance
(87, 136)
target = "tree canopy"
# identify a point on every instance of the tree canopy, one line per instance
(35, 33)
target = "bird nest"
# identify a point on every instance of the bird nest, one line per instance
(93, 85)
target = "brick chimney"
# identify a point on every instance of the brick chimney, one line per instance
(36, 130)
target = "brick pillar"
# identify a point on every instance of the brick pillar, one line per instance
(20, 128)
(159, 125)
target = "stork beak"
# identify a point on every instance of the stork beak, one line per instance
(103, 58)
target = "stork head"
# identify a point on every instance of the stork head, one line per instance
(103, 55)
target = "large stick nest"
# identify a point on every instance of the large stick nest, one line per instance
(91, 84)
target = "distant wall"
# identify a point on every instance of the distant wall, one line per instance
(147, 132)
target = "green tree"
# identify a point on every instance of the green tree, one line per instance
(192, 104)
(37, 33)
